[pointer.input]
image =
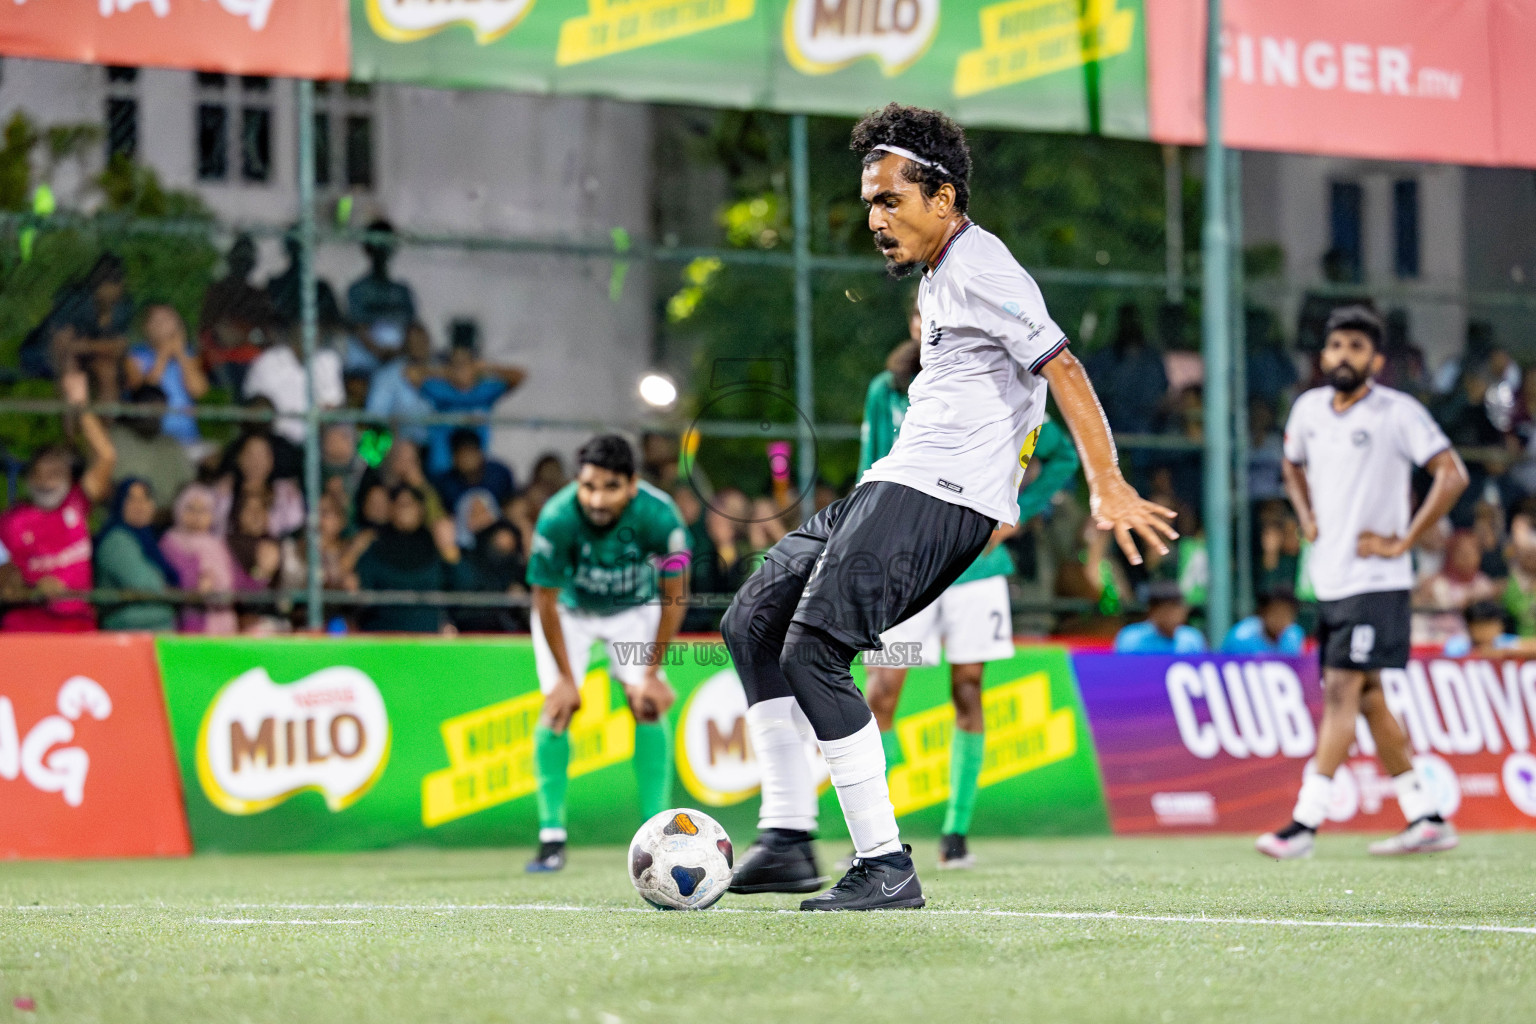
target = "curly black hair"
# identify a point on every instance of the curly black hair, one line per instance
(930, 134)
(610, 452)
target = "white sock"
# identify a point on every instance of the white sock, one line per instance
(1312, 804)
(858, 772)
(789, 794)
(551, 835)
(1412, 797)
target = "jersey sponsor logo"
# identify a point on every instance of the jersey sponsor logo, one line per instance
(404, 21)
(263, 742)
(41, 757)
(614, 26)
(1360, 438)
(821, 36)
(951, 486)
(1016, 311)
(935, 332)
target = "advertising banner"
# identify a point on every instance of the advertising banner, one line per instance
(1219, 744)
(1442, 80)
(1038, 64)
(343, 745)
(85, 760)
(298, 38)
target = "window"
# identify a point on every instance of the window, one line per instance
(1405, 227)
(1345, 205)
(122, 112)
(212, 142)
(223, 110)
(256, 143)
(344, 135)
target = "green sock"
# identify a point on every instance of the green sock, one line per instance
(552, 761)
(653, 766)
(892, 744)
(965, 757)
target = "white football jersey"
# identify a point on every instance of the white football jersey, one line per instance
(1359, 466)
(978, 402)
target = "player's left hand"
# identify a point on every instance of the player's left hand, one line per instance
(652, 698)
(1374, 545)
(1117, 507)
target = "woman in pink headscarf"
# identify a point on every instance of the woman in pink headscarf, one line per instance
(203, 561)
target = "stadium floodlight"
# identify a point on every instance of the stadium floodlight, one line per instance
(658, 390)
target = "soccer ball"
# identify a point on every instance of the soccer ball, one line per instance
(681, 860)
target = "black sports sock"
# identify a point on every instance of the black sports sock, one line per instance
(1295, 828)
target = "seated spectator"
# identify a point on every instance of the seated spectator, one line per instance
(1165, 630)
(1520, 591)
(726, 561)
(465, 385)
(235, 312)
(144, 452)
(87, 327)
(403, 466)
(278, 376)
(475, 510)
(402, 556)
(494, 563)
(164, 362)
(395, 392)
(380, 309)
(1446, 595)
(548, 477)
(47, 536)
(1272, 631)
(767, 524)
(1279, 542)
(341, 467)
(203, 562)
(287, 457)
(250, 475)
(265, 560)
(128, 557)
(1484, 636)
(472, 470)
(334, 544)
(1488, 525)
(372, 511)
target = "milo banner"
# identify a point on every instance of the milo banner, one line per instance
(340, 745)
(1040, 64)
(1219, 744)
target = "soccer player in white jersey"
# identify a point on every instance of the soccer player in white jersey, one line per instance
(1350, 449)
(918, 518)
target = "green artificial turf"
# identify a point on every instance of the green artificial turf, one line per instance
(465, 936)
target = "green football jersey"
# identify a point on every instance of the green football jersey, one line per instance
(602, 571)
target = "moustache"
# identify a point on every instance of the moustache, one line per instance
(884, 241)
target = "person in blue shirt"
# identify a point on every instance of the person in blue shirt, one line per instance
(1485, 636)
(1272, 631)
(1166, 629)
(464, 385)
(472, 469)
(163, 361)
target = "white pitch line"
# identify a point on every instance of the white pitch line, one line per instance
(1059, 915)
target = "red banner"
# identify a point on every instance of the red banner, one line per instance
(86, 768)
(1218, 744)
(293, 38)
(1441, 80)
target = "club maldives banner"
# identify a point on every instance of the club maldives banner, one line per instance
(299, 38)
(325, 745)
(1443, 80)
(1219, 744)
(1041, 64)
(85, 760)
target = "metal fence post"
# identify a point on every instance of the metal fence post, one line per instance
(1216, 332)
(805, 372)
(309, 316)
(1242, 511)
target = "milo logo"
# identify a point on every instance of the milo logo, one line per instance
(821, 36)
(714, 754)
(262, 742)
(404, 21)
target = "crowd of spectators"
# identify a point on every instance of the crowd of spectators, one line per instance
(209, 537)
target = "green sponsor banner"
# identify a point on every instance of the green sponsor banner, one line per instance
(1050, 65)
(323, 744)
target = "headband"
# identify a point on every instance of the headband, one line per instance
(908, 154)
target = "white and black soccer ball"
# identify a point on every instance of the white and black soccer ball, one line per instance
(681, 860)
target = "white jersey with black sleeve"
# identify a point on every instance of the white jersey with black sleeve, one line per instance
(1359, 465)
(978, 401)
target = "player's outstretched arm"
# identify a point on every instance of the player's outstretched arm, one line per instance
(1113, 503)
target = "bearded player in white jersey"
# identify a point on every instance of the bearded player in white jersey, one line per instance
(1350, 449)
(918, 518)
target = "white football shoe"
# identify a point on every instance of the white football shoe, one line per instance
(1423, 836)
(1287, 847)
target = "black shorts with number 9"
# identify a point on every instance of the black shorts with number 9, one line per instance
(1365, 632)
